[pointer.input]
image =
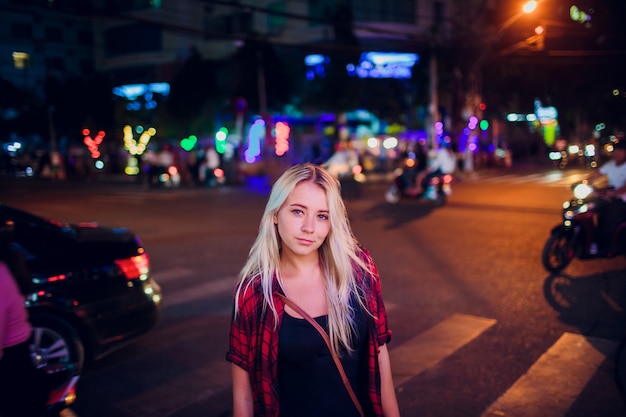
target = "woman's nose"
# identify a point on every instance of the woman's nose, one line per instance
(308, 224)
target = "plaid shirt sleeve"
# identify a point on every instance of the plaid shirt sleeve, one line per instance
(254, 347)
(379, 330)
(242, 330)
(374, 299)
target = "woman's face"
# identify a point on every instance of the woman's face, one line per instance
(303, 220)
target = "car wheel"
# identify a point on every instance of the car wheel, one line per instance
(55, 342)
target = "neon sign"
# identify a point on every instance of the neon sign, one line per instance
(93, 144)
(371, 65)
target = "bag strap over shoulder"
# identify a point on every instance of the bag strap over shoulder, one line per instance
(344, 377)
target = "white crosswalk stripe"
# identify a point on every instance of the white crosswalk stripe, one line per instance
(429, 348)
(568, 365)
(548, 388)
(552, 178)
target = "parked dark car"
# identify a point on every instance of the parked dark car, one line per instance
(92, 287)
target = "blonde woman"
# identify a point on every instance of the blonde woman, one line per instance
(306, 251)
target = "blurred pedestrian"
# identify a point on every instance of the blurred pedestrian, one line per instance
(343, 160)
(23, 388)
(304, 262)
(614, 213)
(441, 161)
(208, 165)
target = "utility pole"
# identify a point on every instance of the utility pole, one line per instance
(434, 101)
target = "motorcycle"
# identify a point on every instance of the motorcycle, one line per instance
(574, 237)
(64, 378)
(50, 390)
(60, 378)
(436, 187)
(163, 177)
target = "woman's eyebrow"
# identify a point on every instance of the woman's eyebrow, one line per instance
(306, 207)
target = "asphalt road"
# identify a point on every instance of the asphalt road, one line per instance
(480, 328)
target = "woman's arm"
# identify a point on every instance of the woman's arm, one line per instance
(390, 403)
(243, 403)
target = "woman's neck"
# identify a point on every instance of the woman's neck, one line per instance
(294, 267)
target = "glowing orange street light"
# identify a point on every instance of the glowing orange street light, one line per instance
(530, 6)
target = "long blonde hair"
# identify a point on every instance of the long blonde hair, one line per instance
(338, 254)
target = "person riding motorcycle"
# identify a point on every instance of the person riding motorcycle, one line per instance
(611, 215)
(442, 162)
(412, 162)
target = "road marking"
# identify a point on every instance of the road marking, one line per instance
(430, 347)
(554, 179)
(555, 380)
(180, 392)
(611, 302)
(199, 292)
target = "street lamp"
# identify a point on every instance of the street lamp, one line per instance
(530, 7)
(474, 99)
(527, 8)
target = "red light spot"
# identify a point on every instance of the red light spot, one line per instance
(133, 267)
(56, 278)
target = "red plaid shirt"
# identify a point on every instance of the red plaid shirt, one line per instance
(254, 341)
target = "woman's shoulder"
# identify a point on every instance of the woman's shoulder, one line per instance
(367, 270)
(251, 288)
(364, 254)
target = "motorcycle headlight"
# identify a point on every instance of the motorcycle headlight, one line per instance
(582, 191)
(569, 214)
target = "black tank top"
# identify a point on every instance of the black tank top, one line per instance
(309, 383)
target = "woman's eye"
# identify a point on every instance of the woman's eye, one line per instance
(323, 216)
(297, 211)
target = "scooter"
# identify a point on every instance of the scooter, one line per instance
(64, 378)
(436, 187)
(575, 236)
(51, 389)
(163, 177)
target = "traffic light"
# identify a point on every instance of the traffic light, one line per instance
(220, 140)
(579, 16)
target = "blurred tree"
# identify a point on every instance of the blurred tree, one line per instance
(258, 62)
(337, 91)
(17, 110)
(192, 90)
(79, 102)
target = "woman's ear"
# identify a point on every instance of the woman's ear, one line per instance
(275, 218)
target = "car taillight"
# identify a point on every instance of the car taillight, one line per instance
(135, 267)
